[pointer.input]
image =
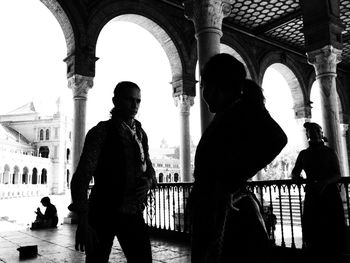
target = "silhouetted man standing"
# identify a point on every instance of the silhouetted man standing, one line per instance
(116, 155)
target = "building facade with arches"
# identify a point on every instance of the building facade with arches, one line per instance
(34, 150)
(304, 47)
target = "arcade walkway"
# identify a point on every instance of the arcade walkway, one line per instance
(57, 245)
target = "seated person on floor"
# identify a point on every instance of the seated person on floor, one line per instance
(49, 218)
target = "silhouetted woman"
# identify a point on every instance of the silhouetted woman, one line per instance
(242, 139)
(323, 216)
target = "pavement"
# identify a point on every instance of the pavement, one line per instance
(57, 245)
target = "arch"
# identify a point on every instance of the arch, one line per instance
(43, 176)
(47, 134)
(25, 175)
(62, 18)
(44, 151)
(153, 21)
(344, 102)
(176, 177)
(68, 178)
(34, 176)
(68, 154)
(292, 75)
(41, 135)
(15, 178)
(161, 178)
(6, 174)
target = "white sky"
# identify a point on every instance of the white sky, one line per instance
(33, 48)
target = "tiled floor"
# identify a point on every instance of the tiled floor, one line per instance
(57, 245)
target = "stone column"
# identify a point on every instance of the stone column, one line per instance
(302, 115)
(347, 136)
(344, 130)
(80, 86)
(325, 62)
(184, 103)
(207, 16)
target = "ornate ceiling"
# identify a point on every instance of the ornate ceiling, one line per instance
(280, 22)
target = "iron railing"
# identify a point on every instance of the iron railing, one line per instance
(282, 203)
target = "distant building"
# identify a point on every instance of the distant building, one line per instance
(167, 164)
(35, 152)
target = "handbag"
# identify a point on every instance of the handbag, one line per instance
(243, 227)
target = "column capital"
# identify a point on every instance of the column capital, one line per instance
(184, 102)
(302, 111)
(344, 129)
(325, 60)
(184, 85)
(207, 14)
(80, 85)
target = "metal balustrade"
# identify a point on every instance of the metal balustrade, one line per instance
(167, 202)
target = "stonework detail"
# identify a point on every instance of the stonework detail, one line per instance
(184, 103)
(80, 86)
(325, 60)
(207, 13)
(302, 112)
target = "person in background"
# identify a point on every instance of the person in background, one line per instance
(115, 154)
(47, 220)
(226, 221)
(323, 218)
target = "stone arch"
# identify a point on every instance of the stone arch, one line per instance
(154, 22)
(68, 178)
(41, 135)
(161, 178)
(15, 178)
(294, 78)
(43, 176)
(44, 151)
(176, 177)
(62, 18)
(6, 175)
(34, 176)
(68, 154)
(344, 102)
(25, 175)
(47, 134)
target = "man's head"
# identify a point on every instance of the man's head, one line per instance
(127, 98)
(45, 201)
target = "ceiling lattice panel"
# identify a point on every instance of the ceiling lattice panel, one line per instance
(255, 13)
(280, 21)
(289, 33)
(346, 53)
(345, 15)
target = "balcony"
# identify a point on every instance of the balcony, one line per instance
(166, 214)
(170, 234)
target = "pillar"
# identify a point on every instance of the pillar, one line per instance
(325, 62)
(207, 16)
(302, 115)
(344, 131)
(184, 103)
(348, 145)
(80, 86)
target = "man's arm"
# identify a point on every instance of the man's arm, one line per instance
(85, 169)
(150, 172)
